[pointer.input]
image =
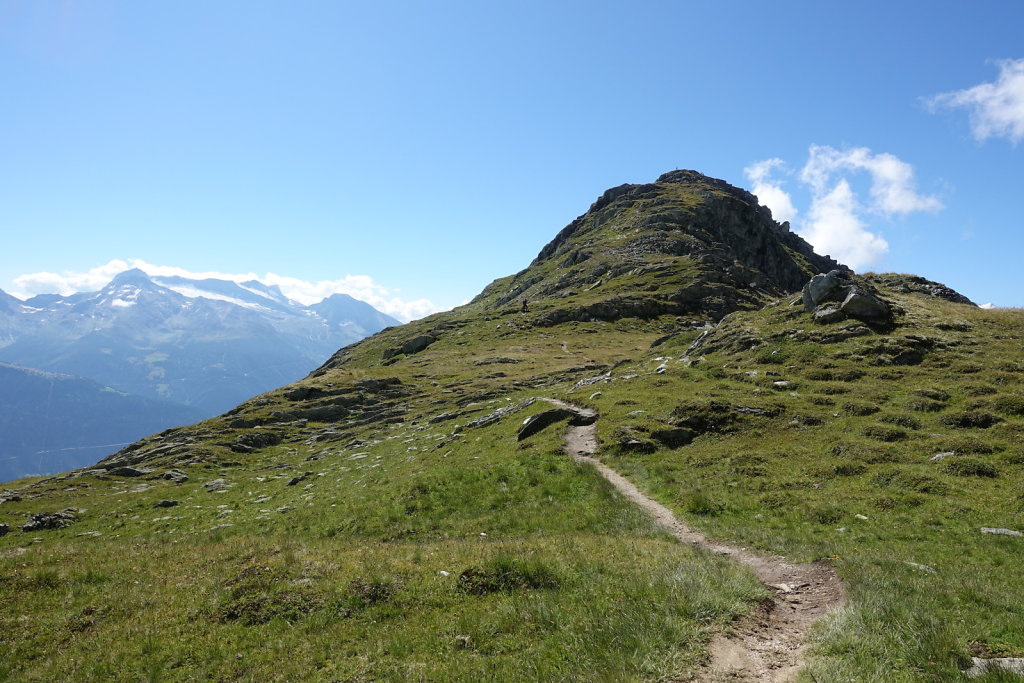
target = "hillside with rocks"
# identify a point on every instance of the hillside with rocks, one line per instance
(679, 445)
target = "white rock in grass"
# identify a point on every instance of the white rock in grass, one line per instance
(980, 667)
(1001, 532)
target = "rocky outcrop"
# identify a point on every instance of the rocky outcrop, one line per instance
(838, 295)
(705, 247)
(50, 520)
(915, 284)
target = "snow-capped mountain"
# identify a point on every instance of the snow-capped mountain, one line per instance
(204, 343)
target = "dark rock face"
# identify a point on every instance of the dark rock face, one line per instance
(914, 284)
(129, 472)
(539, 421)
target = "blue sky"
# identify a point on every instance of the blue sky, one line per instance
(411, 152)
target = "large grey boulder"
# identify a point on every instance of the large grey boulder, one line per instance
(539, 421)
(863, 305)
(838, 295)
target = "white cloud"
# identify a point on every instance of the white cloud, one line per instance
(995, 109)
(892, 180)
(769, 192)
(834, 228)
(834, 222)
(360, 287)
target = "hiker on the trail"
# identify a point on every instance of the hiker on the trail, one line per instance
(524, 308)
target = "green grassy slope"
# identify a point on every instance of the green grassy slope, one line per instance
(379, 520)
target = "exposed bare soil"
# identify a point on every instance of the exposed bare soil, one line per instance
(768, 645)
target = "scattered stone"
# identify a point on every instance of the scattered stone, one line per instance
(127, 471)
(284, 508)
(444, 573)
(463, 641)
(4, 529)
(661, 369)
(262, 499)
(781, 384)
(607, 377)
(217, 485)
(980, 666)
(1000, 532)
(52, 520)
(921, 567)
(861, 517)
(175, 475)
(939, 457)
(302, 477)
(595, 395)
(218, 527)
(788, 587)
(165, 504)
(92, 534)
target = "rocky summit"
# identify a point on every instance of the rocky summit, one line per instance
(670, 448)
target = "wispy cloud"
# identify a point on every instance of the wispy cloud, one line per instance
(834, 222)
(769, 190)
(996, 109)
(360, 287)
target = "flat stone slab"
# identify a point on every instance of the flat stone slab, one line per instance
(980, 667)
(1001, 532)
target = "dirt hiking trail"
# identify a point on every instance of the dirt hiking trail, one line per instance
(768, 645)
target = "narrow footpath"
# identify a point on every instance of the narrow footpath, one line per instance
(768, 645)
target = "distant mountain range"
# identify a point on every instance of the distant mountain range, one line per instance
(204, 344)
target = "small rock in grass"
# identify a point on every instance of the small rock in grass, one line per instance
(921, 567)
(939, 457)
(4, 529)
(165, 504)
(860, 516)
(1000, 532)
(980, 666)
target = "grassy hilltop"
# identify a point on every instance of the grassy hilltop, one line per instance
(379, 520)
